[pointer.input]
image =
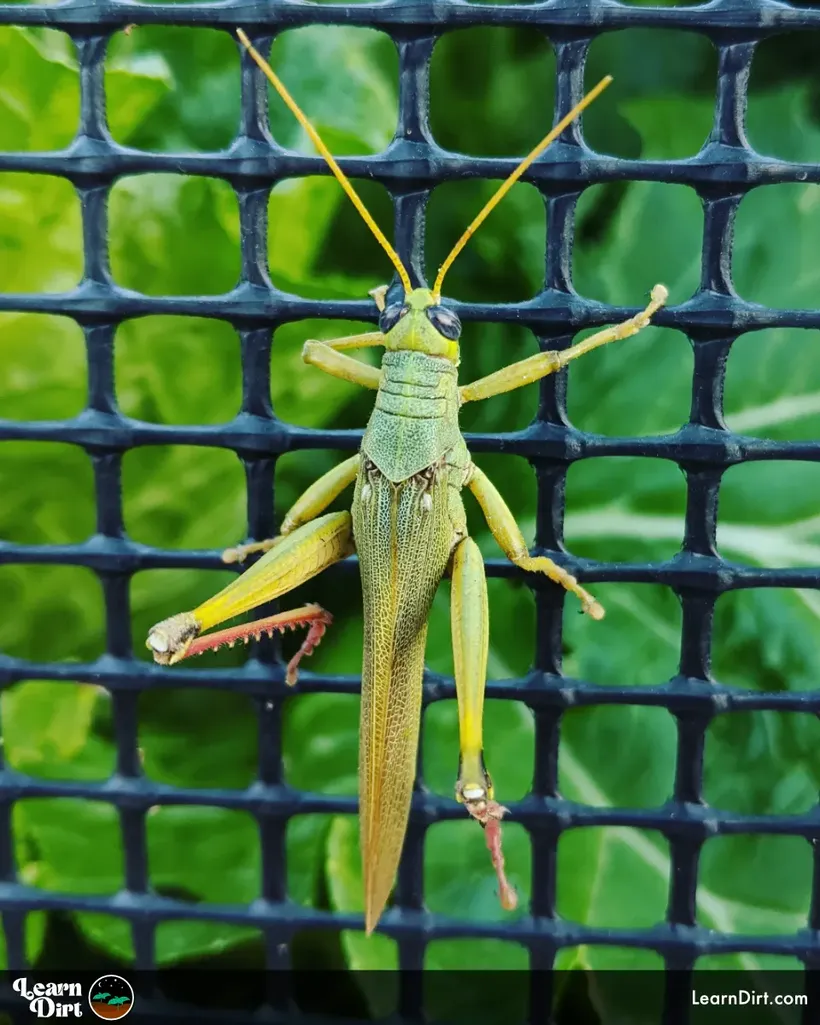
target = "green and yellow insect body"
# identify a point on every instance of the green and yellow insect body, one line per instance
(408, 528)
(408, 518)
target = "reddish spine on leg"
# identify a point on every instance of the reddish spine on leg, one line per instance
(312, 616)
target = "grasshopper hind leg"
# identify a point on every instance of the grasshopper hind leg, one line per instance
(298, 557)
(470, 627)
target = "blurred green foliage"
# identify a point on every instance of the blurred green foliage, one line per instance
(491, 93)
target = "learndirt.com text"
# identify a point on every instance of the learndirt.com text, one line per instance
(750, 998)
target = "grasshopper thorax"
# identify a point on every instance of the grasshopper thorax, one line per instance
(422, 324)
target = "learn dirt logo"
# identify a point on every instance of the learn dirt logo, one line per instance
(111, 997)
(40, 997)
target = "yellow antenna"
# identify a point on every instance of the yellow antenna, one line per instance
(325, 152)
(508, 184)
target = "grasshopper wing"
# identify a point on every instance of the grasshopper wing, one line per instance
(404, 539)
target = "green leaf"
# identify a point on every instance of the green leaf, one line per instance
(40, 99)
(487, 91)
(126, 107)
(345, 889)
(33, 940)
(503, 1002)
(344, 79)
(155, 218)
(62, 834)
(221, 865)
(198, 106)
(47, 729)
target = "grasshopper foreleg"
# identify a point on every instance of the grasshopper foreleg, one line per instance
(543, 363)
(330, 357)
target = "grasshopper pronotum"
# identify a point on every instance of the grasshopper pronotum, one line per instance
(408, 528)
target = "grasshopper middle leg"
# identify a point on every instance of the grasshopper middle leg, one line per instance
(306, 508)
(506, 532)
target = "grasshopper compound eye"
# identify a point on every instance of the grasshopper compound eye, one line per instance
(391, 316)
(445, 322)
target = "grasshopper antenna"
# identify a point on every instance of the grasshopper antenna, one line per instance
(505, 187)
(316, 139)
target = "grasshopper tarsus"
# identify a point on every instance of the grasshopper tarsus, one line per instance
(594, 610)
(489, 814)
(239, 553)
(315, 633)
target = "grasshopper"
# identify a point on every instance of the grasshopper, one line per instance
(407, 526)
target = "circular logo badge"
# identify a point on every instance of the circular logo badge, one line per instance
(111, 997)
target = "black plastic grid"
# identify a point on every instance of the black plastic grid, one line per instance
(723, 171)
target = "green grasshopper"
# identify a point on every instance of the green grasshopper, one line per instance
(409, 530)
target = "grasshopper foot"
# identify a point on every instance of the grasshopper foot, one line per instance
(240, 552)
(316, 632)
(379, 296)
(593, 608)
(490, 813)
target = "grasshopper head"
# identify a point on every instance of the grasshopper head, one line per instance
(422, 324)
(169, 640)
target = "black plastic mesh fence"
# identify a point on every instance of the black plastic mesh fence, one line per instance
(722, 173)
